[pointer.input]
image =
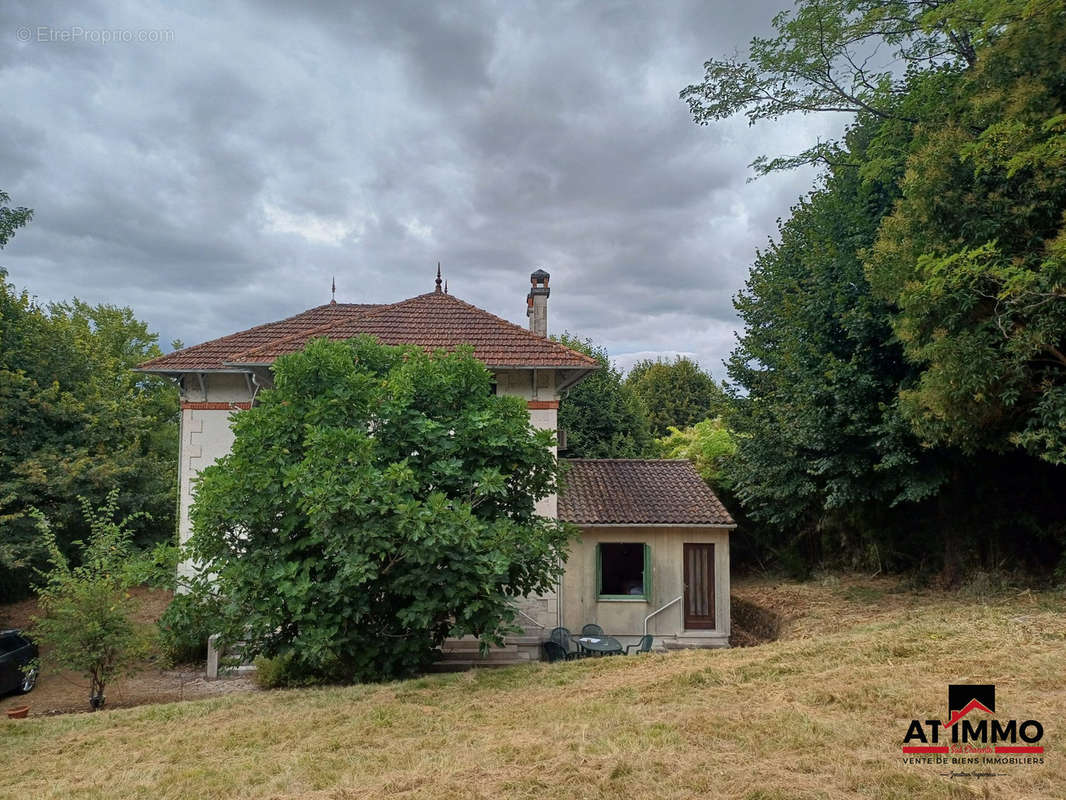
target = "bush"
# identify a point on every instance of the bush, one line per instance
(376, 501)
(87, 620)
(185, 626)
(155, 566)
(282, 671)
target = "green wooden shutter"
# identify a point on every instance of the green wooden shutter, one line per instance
(599, 571)
(647, 572)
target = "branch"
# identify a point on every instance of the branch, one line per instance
(1058, 354)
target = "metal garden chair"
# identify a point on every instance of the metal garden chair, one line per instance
(643, 646)
(561, 636)
(553, 651)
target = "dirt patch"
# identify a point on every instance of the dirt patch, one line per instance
(752, 624)
(67, 692)
(60, 692)
(765, 609)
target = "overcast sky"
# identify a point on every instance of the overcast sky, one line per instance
(219, 173)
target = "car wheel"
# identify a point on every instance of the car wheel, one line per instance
(29, 680)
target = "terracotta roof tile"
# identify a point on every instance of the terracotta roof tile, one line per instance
(602, 491)
(215, 353)
(434, 320)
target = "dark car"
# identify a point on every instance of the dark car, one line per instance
(16, 651)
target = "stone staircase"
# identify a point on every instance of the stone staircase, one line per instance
(695, 643)
(458, 655)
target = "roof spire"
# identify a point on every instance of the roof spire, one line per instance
(438, 278)
(333, 292)
(446, 287)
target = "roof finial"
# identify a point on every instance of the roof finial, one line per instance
(333, 292)
(438, 278)
(446, 287)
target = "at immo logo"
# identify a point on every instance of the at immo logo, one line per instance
(961, 732)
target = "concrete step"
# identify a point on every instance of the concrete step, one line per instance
(519, 639)
(464, 665)
(492, 655)
(465, 653)
(696, 644)
(475, 647)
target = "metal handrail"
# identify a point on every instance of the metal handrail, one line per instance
(653, 613)
(524, 614)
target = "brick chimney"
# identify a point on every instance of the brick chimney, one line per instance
(537, 302)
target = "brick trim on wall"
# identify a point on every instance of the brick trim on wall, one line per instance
(539, 405)
(189, 405)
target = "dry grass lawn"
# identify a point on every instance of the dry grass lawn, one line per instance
(820, 713)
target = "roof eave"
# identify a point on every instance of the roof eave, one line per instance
(487, 366)
(718, 525)
(186, 370)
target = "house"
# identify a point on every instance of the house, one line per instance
(654, 551)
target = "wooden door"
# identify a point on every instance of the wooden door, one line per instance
(699, 586)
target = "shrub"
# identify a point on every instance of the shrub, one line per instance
(282, 671)
(375, 501)
(87, 623)
(185, 627)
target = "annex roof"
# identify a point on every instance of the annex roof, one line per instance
(637, 491)
(434, 320)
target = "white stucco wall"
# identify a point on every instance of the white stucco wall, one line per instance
(537, 388)
(206, 436)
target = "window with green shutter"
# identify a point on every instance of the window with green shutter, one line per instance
(623, 571)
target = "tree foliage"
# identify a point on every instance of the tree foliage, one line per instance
(851, 56)
(675, 393)
(375, 501)
(76, 421)
(708, 444)
(86, 621)
(602, 415)
(974, 252)
(901, 334)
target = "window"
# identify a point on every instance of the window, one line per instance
(623, 571)
(10, 642)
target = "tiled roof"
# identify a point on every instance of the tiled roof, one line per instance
(634, 491)
(434, 320)
(216, 353)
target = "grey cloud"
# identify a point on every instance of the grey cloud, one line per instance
(221, 179)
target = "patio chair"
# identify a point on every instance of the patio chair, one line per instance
(643, 646)
(561, 636)
(553, 651)
(592, 629)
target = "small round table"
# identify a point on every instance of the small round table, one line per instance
(600, 645)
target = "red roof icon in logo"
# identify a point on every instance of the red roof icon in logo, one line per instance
(966, 697)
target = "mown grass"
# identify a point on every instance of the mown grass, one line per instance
(818, 714)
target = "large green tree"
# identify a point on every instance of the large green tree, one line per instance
(375, 501)
(823, 453)
(76, 421)
(974, 251)
(602, 416)
(901, 333)
(675, 393)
